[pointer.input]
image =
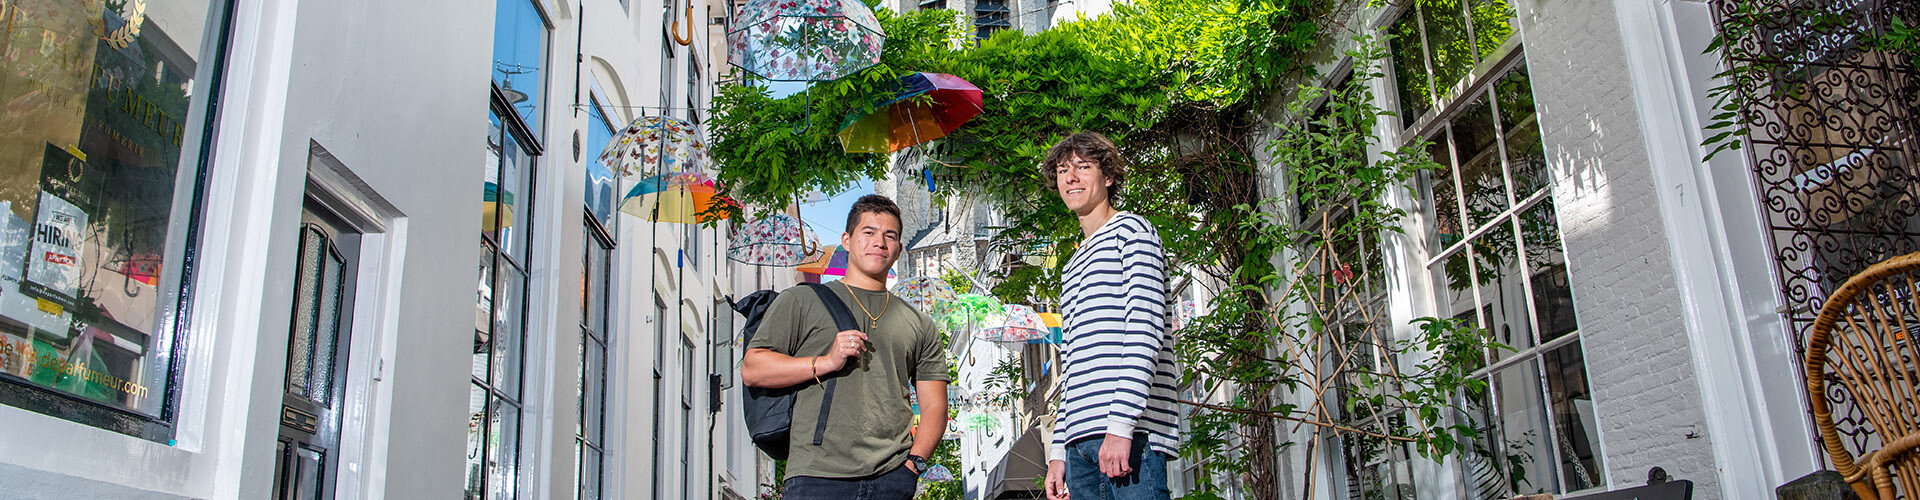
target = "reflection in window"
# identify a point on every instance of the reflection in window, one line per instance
(1436, 43)
(519, 59)
(590, 430)
(600, 180)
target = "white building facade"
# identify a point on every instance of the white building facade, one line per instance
(267, 219)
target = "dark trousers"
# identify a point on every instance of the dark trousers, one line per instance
(896, 484)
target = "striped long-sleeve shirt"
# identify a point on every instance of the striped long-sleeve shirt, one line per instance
(1117, 360)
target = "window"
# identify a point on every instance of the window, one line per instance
(659, 393)
(499, 342)
(590, 430)
(932, 4)
(98, 143)
(990, 16)
(1436, 43)
(686, 414)
(1498, 263)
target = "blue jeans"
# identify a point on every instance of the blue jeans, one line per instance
(1085, 481)
(897, 484)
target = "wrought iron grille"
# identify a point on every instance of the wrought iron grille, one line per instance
(1830, 138)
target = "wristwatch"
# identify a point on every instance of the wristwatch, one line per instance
(919, 463)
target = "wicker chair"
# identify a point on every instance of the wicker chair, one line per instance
(1864, 337)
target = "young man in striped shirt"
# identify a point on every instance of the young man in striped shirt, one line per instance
(1116, 426)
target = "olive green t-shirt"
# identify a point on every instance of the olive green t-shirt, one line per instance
(868, 424)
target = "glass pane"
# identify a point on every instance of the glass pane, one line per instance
(516, 177)
(1447, 40)
(686, 370)
(597, 282)
(589, 474)
(476, 441)
(595, 392)
(483, 310)
(1454, 288)
(1526, 160)
(1484, 463)
(1573, 417)
(306, 304)
(519, 58)
(1410, 68)
(1444, 197)
(327, 336)
(1480, 174)
(503, 449)
(496, 207)
(600, 183)
(98, 96)
(1492, 24)
(1515, 94)
(1546, 260)
(1524, 440)
(509, 327)
(1503, 288)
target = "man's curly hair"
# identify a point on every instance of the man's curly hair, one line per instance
(1090, 146)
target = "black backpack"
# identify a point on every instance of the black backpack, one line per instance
(769, 412)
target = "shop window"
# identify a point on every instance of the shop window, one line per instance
(95, 146)
(590, 430)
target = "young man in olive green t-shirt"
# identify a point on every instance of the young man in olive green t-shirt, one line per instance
(868, 448)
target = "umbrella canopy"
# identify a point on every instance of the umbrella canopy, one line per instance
(1054, 334)
(777, 240)
(937, 474)
(967, 310)
(905, 121)
(924, 293)
(1019, 324)
(661, 198)
(652, 145)
(831, 261)
(804, 40)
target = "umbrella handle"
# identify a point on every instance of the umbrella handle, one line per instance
(807, 112)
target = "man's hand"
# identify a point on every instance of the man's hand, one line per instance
(1115, 452)
(846, 345)
(1057, 480)
(910, 467)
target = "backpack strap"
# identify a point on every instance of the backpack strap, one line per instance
(843, 319)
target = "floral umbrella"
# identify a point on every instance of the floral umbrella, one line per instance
(1185, 313)
(804, 40)
(778, 240)
(1019, 324)
(658, 144)
(925, 293)
(968, 309)
(937, 474)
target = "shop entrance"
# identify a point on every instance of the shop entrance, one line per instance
(316, 356)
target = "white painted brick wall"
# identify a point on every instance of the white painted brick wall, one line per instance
(1647, 400)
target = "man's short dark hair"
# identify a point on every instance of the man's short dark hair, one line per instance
(872, 203)
(1091, 146)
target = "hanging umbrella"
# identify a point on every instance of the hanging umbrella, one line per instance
(832, 261)
(1019, 324)
(777, 240)
(1184, 314)
(653, 145)
(968, 309)
(905, 121)
(937, 474)
(661, 199)
(804, 40)
(1054, 334)
(924, 293)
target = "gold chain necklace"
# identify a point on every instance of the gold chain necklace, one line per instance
(873, 320)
